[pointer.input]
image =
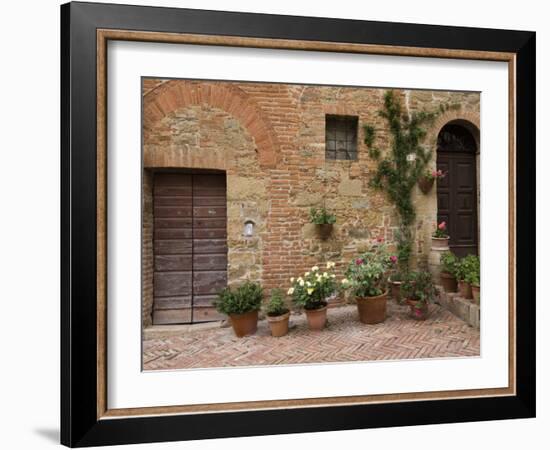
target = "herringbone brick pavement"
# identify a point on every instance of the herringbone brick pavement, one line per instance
(344, 339)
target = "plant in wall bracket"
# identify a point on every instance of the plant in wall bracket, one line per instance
(400, 167)
(323, 219)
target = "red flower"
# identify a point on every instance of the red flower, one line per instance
(393, 259)
(442, 225)
(359, 261)
(379, 239)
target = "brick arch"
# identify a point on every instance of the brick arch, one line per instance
(175, 94)
(470, 120)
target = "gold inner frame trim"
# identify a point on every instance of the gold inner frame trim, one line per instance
(103, 36)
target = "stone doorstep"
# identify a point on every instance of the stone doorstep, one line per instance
(463, 308)
(167, 331)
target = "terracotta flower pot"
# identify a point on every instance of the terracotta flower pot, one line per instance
(465, 289)
(425, 184)
(316, 318)
(475, 293)
(372, 309)
(396, 291)
(245, 324)
(324, 230)
(279, 324)
(418, 310)
(448, 282)
(440, 242)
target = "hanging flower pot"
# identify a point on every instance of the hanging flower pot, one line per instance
(324, 230)
(425, 184)
(323, 220)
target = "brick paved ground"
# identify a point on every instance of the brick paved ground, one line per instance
(344, 339)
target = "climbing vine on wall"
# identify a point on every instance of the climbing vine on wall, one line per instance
(400, 166)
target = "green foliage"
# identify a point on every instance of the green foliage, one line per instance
(276, 305)
(418, 286)
(243, 299)
(320, 216)
(468, 269)
(366, 275)
(313, 289)
(396, 174)
(404, 248)
(449, 263)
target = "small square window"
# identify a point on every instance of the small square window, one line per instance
(341, 137)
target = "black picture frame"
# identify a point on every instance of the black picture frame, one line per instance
(80, 425)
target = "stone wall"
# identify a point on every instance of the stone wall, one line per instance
(270, 140)
(202, 137)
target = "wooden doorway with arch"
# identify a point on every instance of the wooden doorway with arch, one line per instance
(457, 192)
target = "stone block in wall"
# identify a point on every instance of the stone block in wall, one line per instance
(474, 316)
(462, 308)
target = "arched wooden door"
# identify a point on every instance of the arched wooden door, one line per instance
(457, 192)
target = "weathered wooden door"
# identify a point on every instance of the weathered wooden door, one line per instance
(189, 246)
(457, 192)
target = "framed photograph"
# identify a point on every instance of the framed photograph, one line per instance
(277, 224)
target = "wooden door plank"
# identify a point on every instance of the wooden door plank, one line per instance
(172, 284)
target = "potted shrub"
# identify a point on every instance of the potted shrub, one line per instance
(311, 292)
(241, 304)
(440, 238)
(465, 267)
(323, 220)
(472, 277)
(449, 263)
(475, 290)
(426, 181)
(367, 280)
(277, 314)
(419, 290)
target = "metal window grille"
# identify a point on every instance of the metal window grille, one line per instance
(341, 137)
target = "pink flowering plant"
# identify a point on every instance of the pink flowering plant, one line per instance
(434, 174)
(418, 288)
(441, 231)
(366, 274)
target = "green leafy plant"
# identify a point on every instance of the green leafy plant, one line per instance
(311, 290)
(404, 249)
(320, 216)
(418, 287)
(399, 170)
(240, 300)
(449, 263)
(402, 166)
(472, 270)
(441, 231)
(366, 275)
(276, 305)
(468, 268)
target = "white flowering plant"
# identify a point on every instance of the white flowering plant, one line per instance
(366, 275)
(311, 290)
